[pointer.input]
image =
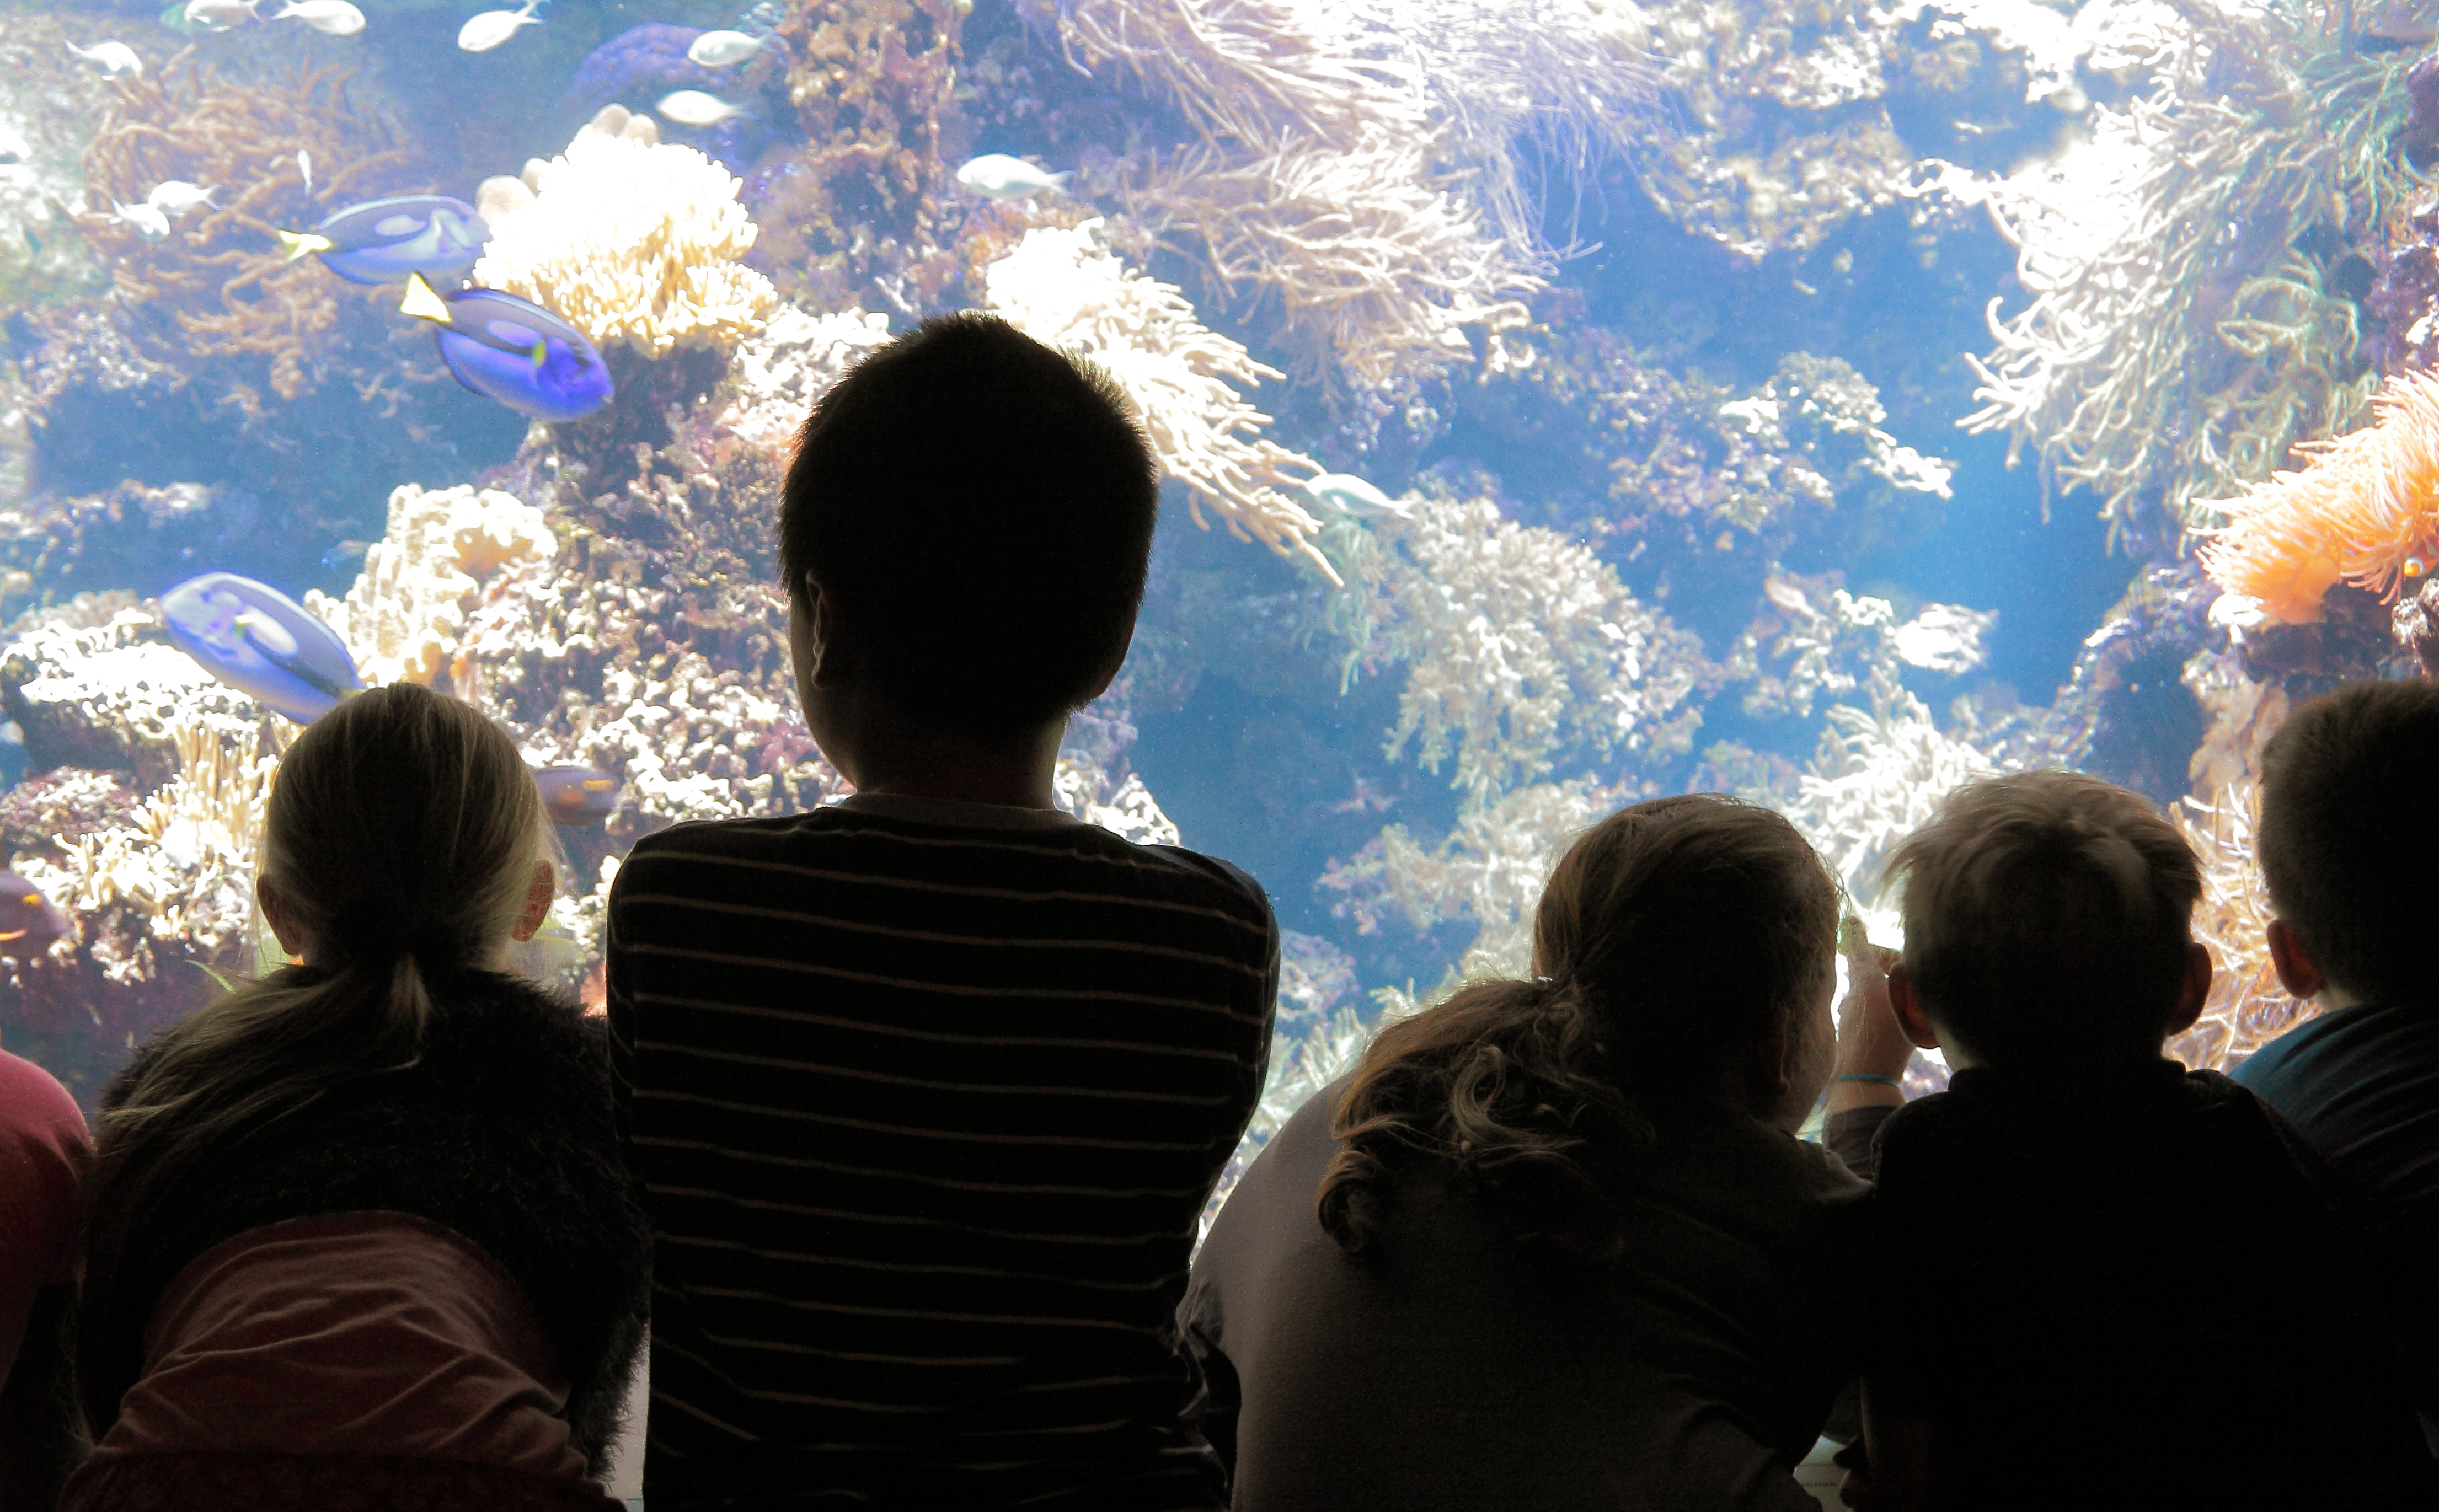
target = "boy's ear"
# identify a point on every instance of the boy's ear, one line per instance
(1907, 1005)
(2193, 994)
(2297, 971)
(828, 637)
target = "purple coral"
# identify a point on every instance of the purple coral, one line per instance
(639, 65)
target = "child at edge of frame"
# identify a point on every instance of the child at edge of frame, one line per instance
(926, 1088)
(2100, 1280)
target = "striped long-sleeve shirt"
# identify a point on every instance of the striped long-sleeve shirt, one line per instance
(925, 1099)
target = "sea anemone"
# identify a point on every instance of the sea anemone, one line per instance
(2365, 508)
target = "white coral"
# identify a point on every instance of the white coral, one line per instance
(1065, 287)
(406, 615)
(781, 373)
(1880, 775)
(632, 240)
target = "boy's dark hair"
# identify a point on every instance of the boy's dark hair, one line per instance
(982, 508)
(2048, 915)
(2349, 823)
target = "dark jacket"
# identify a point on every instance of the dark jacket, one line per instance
(502, 1132)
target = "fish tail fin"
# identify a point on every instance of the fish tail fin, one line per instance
(421, 302)
(1059, 181)
(303, 244)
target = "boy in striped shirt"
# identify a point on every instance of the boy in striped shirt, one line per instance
(927, 1089)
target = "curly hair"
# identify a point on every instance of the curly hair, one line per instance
(1672, 939)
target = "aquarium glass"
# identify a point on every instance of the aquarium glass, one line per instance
(1561, 402)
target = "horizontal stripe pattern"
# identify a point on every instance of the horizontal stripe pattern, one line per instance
(924, 1115)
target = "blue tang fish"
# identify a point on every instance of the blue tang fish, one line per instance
(260, 642)
(393, 239)
(514, 352)
(577, 796)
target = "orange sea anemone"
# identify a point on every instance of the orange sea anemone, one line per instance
(2365, 508)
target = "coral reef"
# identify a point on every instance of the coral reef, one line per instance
(1522, 648)
(1377, 272)
(219, 275)
(1065, 287)
(405, 617)
(867, 201)
(2187, 323)
(2402, 308)
(1813, 638)
(48, 106)
(2246, 1008)
(97, 685)
(632, 240)
(2361, 510)
(781, 371)
(1880, 774)
(1686, 475)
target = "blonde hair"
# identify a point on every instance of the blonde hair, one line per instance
(402, 836)
(2046, 913)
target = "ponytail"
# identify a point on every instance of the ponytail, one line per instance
(402, 836)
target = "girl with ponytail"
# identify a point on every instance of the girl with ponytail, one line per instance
(1553, 1244)
(361, 1229)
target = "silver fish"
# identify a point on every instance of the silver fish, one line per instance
(304, 167)
(486, 31)
(333, 18)
(719, 49)
(219, 15)
(1356, 498)
(111, 58)
(998, 176)
(692, 107)
(146, 218)
(176, 197)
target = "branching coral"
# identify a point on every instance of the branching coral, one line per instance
(1376, 267)
(220, 271)
(2184, 330)
(405, 617)
(2363, 509)
(632, 240)
(1063, 287)
(1490, 868)
(1522, 648)
(1689, 469)
(1823, 639)
(1880, 774)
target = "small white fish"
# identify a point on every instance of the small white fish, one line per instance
(176, 197)
(717, 50)
(111, 58)
(998, 176)
(484, 33)
(304, 167)
(333, 18)
(219, 15)
(145, 218)
(1789, 596)
(692, 107)
(1356, 498)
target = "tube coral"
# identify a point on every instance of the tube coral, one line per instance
(2365, 509)
(220, 271)
(632, 239)
(1063, 287)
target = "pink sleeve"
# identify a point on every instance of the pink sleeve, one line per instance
(42, 1153)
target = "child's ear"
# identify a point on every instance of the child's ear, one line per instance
(2193, 995)
(2297, 971)
(539, 893)
(1907, 1005)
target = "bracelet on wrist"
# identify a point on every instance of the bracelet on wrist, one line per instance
(1865, 1075)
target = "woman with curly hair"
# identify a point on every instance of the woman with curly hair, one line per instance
(1554, 1243)
(359, 1232)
